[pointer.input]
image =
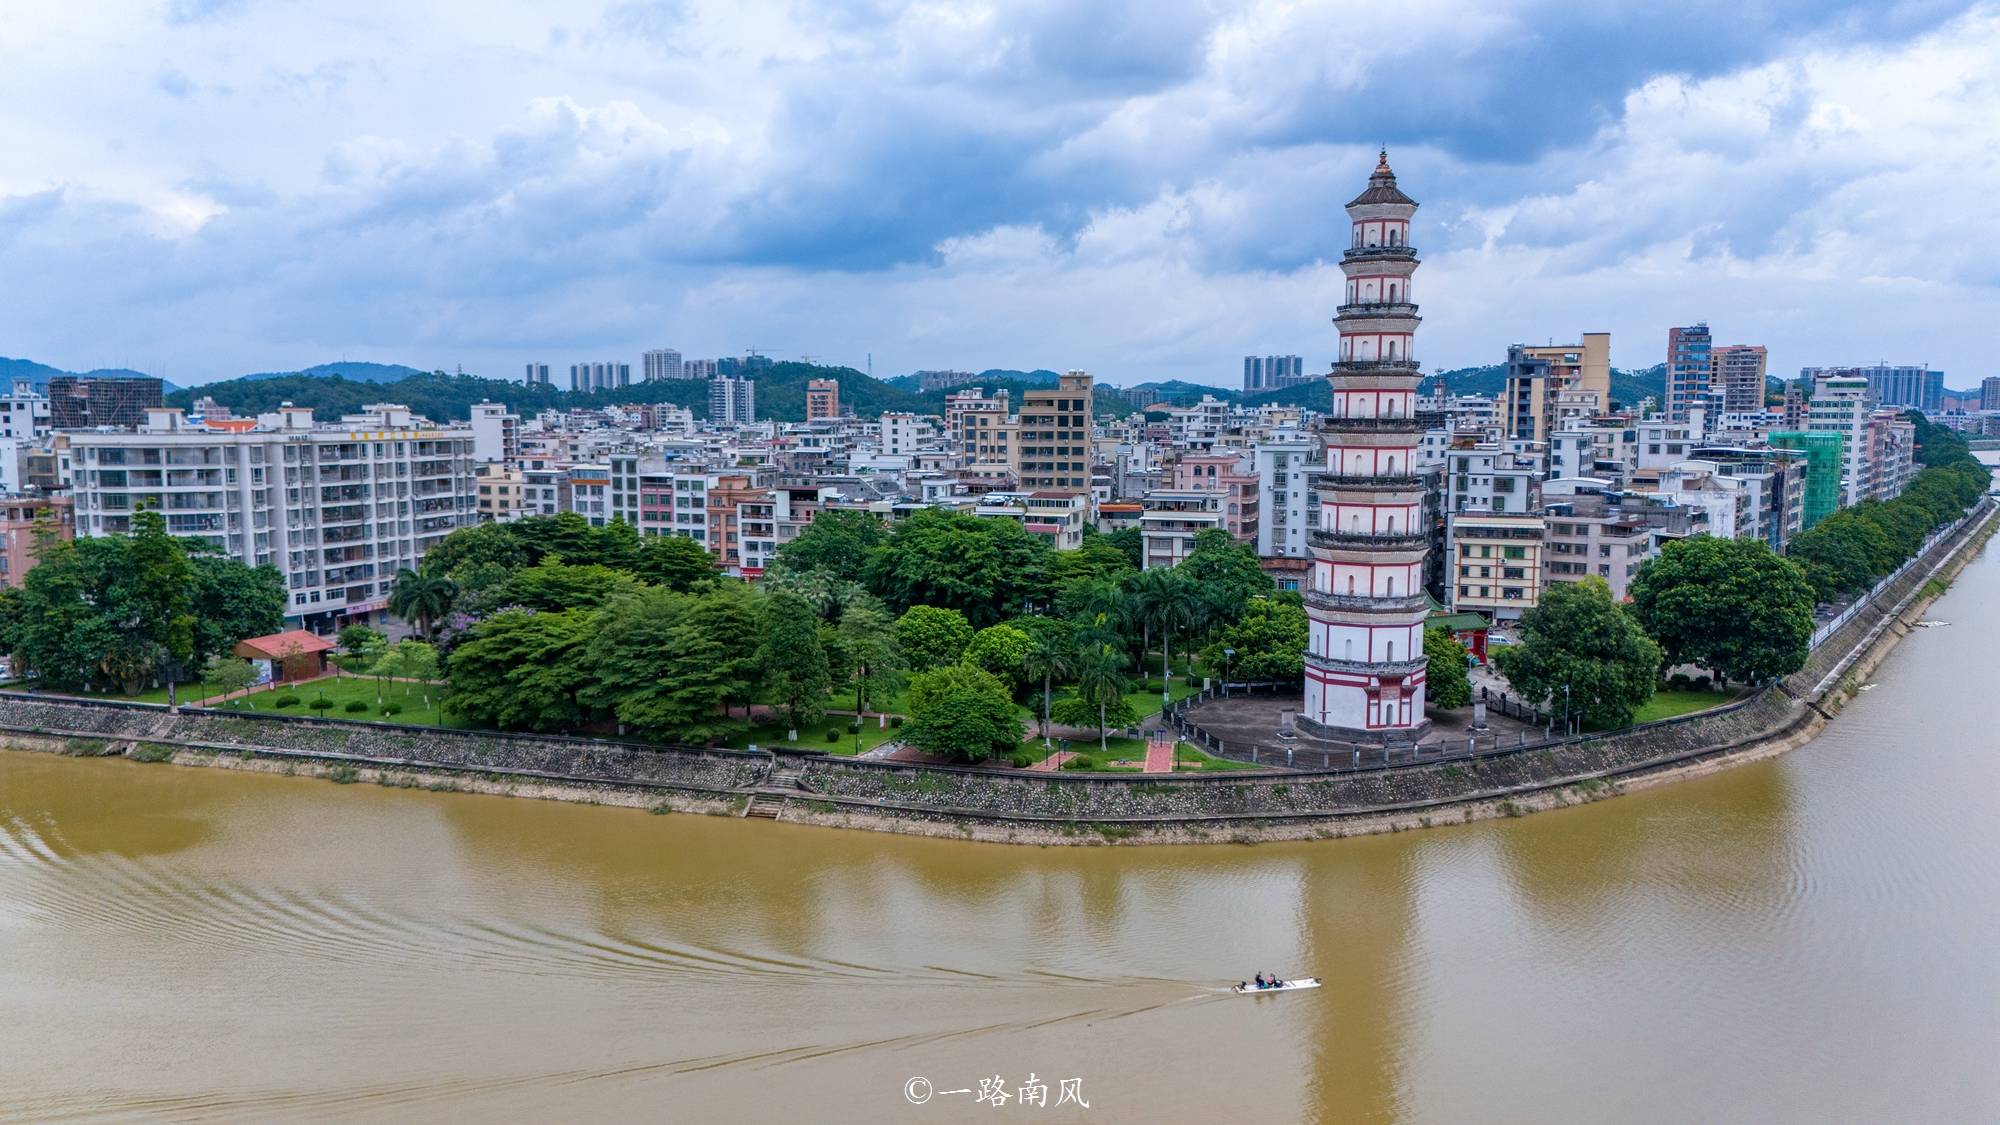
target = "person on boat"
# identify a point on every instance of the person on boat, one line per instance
(1260, 980)
(1273, 978)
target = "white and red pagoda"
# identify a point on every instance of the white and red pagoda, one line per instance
(1364, 661)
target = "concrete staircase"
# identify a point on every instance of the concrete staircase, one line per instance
(769, 799)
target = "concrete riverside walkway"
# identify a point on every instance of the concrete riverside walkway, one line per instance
(1053, 762)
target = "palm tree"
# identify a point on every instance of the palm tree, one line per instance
(1048, 656)
(1173, 603)
(422, 597)
(1100, 679)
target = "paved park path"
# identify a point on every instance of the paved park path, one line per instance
(1160, 752)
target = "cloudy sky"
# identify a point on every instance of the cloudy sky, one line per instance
(1140, 188)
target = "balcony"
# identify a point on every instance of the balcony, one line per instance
(1377, 308)
(1366, 540)
(1342, 480)
(1398, 365)
(1404, 603)
(1364, 668)
(1337, 425)
(1370, 253)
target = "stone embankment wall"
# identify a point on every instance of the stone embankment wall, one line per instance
(1045, 808)
(379, 745)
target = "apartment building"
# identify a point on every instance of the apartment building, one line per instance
(1053, 451)
(1841, 405)
(822, 399)
(1489, 479)
(338, 508)
(1285, 469)
(502, 493)
(1496, 563)
(1171, 520)
(1588, 535)
(732, 400)
(22, 520)
(1740, 374)
(496, 434)
(24, 413)
(1690, 369)
(662, 364)
(1578, 375)
(1231, 475)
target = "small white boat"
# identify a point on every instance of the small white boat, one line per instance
(1288, 986)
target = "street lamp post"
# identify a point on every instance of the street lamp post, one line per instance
(1566, 712)
(1228, 655)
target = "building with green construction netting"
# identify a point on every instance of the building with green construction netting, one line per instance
(1824, 451)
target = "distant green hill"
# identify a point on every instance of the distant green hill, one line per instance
(1627, 387)
(1039, 377)
(781, 392)
(352, 371)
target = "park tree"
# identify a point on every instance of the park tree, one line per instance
(1169, 602)
(987, 569)
(961, 712)
(1268, 638)
(229, 674)
(793, 661)
(158, 591)
(1445, 680)
(929, 637)
(675, 562)
(555, 586)
(1100, 687)
(494, 545)
(422, 597)
(523, 670)
(1130, 542)
(1051, 655)
(1002, 650)
(1728, 605)
(836, 542)
(651, 671)
(868, 638)
(1225, 572)
(1839, 555)
(233, 602)
(566, 536)
(1579, 653)
(726, 617)
(1097, 558)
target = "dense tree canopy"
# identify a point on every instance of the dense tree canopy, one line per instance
(1846, 553)
(1268, 639)
(987, 569)
(1728, 605)
(123, 612)
(928, 636)
(962, 712)
(523, 670)
(1580, 654)
(1446, 684)
(836, 542)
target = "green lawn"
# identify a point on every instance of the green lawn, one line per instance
(1667, 704)
(1187, 759)
(812, 737)
(408, 696)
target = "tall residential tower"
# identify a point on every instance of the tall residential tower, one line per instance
(1364, 660)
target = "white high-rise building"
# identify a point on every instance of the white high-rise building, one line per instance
(732, 401)
(599, 376)
(538, 373)
(496, 434)
(662, 363)
(24, 413)
(1841, 405)
(337, 508)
